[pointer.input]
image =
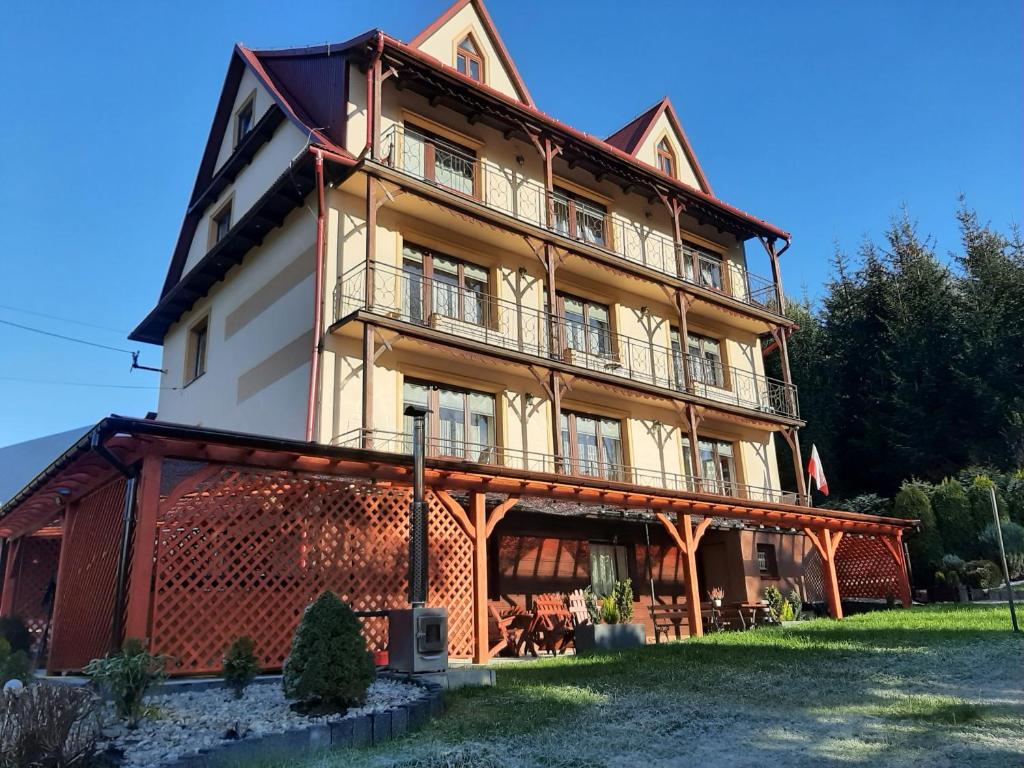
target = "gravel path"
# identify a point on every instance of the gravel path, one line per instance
(187, 721)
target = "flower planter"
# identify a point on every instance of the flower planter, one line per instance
(609, 637)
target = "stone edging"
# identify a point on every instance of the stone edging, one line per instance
(359, 731)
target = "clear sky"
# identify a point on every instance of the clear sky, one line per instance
(821, 117)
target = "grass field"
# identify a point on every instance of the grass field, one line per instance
(936, 686)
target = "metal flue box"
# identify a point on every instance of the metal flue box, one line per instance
(418, 640)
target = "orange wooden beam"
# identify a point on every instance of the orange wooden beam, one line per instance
(499, 512)
(139, 595)
(10, 577)
(481, 643)
(827, 542)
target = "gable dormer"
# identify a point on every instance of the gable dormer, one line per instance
(656, 137)
(465, 39)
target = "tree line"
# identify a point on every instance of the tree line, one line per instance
(910, 371)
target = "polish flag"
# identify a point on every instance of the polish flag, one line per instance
(816, 472)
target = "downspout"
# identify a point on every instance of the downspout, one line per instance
(127, 530)
(318, 301)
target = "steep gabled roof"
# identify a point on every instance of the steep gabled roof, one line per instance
(630, 137)
(491, 32)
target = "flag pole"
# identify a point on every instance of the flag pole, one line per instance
(1002, 553)
(810, 498)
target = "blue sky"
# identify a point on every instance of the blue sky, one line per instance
(823, 118)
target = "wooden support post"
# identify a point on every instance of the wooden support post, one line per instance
(10, 577)
(827, 542)
(687, 537)
(369, 355)
(370, 288)
(684, 340)
(481, 644)
(556, 421)
(792, 438)
(695, 465)
(67, 524)
(140, 585)
(894, 546)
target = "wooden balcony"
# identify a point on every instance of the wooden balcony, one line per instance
(505, 325)
(460, 451)
(509, 191)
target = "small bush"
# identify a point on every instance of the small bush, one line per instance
(775, 601)
(982, 574)
(14, 666)
(126, 677)
(1013, 539)
(329, 668)
(592, 605)
(1015, 564)
(14, 631)
(47, 725)
(609, 610)
(952, 563)
(796, 602)
(786, 613)
(623, 594)
(240, 665)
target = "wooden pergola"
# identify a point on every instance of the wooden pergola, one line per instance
(134, 453)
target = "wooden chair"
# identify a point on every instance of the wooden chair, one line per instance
(503, 635)
(666, 618)
(551, 629)
(578, 608)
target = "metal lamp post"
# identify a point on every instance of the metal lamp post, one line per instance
(418, 513)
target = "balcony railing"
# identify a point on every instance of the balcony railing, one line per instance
(388, 441)
(513, 193)
(469, 314)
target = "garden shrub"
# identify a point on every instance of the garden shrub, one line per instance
(1013, 539)
(912, 503)
(983, 574)
(796, 602)
(15, 632)
(623, 594)
(1015, 496)
(609, 610)
(593, 608)
(47, 725)
(786, 613)
(775, 600)
(329, 668)
(14, 665)
(953, 517)
(126, 676)
(981, 506)
(865, 504)
(240, 665)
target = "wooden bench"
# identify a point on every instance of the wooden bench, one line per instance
(668, 617)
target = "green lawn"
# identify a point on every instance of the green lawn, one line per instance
(928, 686)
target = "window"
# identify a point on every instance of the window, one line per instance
(439, 160)
(244, 121)
(704, 356)
(435, 284)
(468, 60)
(579, 218)
(718, 469)
(767, 564)
(592, 445)
(666, 158)
(586, 325)
(460, 423)
(708, 266)
(197, 342)
(220, 224)
(607, 565)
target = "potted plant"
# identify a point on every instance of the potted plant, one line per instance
(612, 627)
(717, 594)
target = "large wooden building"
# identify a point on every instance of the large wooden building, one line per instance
(376, 224)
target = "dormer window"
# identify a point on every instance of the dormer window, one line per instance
(666, 158)
(468, 60)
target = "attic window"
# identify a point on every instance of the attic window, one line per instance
(220, 224)
(243, 121)
(468, 60)
(666, 158)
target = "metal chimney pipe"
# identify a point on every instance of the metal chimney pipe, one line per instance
(418, 513)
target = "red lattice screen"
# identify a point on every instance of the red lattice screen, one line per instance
(865, 568)
(36, 569)
(248, 550)
(85, 595)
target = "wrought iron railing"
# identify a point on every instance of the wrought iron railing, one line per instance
(446, 448)
(512, 192)
(497, 322)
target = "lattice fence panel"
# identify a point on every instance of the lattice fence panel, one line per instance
(865, 569)
(248, 550)
(36, 571)
(85, 594)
